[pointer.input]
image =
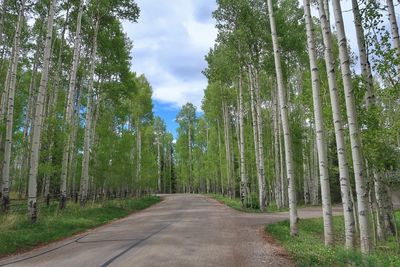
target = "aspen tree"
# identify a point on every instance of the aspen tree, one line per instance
(354, 128)
(38, 119)
(70, 108)
(319, 129)
(285, 124)
(12, 73)
(89, 113)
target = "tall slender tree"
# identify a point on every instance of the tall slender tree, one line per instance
(10, 88)
(285, 123)
(70, 107)
(38, 119)
(354, 128)
(319, 129)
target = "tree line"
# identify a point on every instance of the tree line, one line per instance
(75, 122)
(292, 114)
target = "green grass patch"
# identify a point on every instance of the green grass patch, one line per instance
(17, 233)
(253, 206)
(308, 248)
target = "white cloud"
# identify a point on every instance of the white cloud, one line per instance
(170, 41)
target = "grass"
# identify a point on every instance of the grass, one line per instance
(17, 234)
(236, 204)
(308, 249)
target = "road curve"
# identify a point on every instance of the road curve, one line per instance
(183, 230)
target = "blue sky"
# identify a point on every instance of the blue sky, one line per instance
(170, 41)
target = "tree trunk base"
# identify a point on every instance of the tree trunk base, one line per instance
(32, 214)
(63, 202)
(5, 204)
(48, 200)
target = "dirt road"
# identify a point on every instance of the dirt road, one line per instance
(183, 230)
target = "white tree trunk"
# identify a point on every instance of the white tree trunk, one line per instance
(244, 185)
(278, 184)
(190, 155)
(158, 163)
(393, 27)
(70, 108)
(38, 119)
(319, 129)
(227, 146)
(139, 153)
(255, 124)
(356, 148)
(339, 134)
(285, 124)
(51, 110)
(364, 62)
(260, 148)
(10, 109)
(88, 125)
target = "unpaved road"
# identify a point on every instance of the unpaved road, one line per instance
(183, 230)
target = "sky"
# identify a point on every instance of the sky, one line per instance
(170, 42)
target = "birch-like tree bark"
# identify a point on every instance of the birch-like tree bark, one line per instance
(38, 119)
(394, 27)
(70, 108)
(220, 157)
(364, 62)
(285, 124)
(260, 136)
(2, 15)
(339, 132)
(190, 154)
(10, 108)
(244, 186)
(52, 105)
(255, 124)
(225, 116)
(355, 140)
(88, 125)
(275, 118)
(319, 129)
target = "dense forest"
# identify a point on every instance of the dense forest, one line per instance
(292, 115)
(76, 122)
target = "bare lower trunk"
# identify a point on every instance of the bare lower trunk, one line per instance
(284, 191)
(88, 126)
(10, 109)
(158, 164)
(319, 129)
(354, 129)
(70, 108)
(278, 185)
(253, 104)
(339, 134)
(38, 119)
(260, 148)
(384, 204)
(244, 185)
(220, 157)
(285, 124)
(190, 156)
(139, 153)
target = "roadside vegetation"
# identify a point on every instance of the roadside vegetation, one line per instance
(252, 205)
(17, 233)
(308, 248)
